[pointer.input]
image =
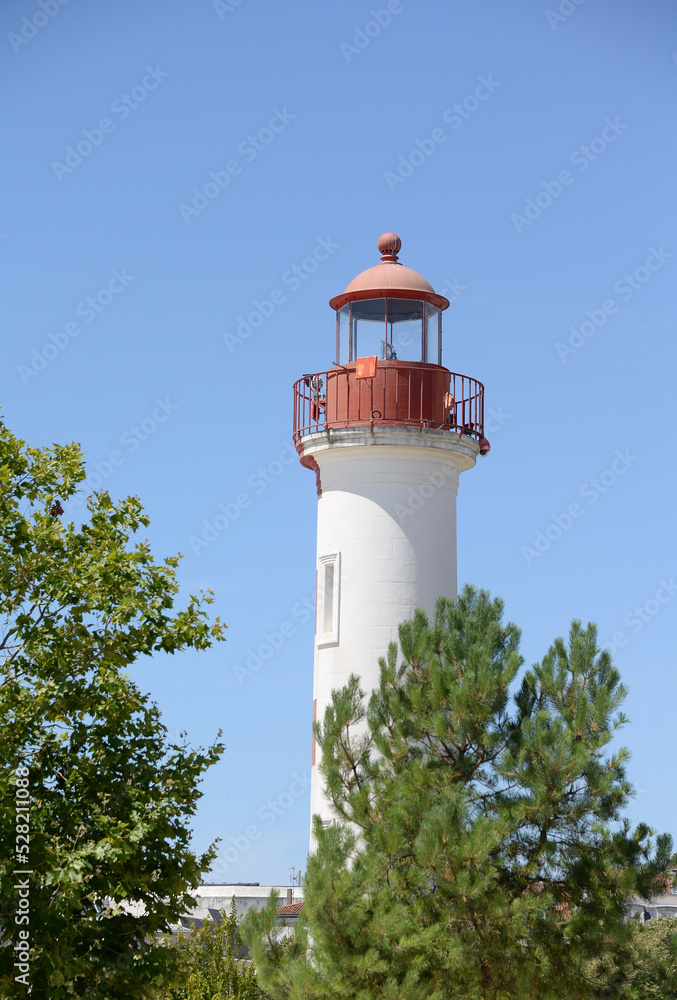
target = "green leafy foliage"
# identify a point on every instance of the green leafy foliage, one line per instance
(213, 964)
(646, 970)
(109, 791)
(479, 849)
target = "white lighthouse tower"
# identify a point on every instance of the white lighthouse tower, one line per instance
(387, 432)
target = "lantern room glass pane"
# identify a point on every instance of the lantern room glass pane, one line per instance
(405, 329)
(368, 328)
(343, 348)
(433, 335)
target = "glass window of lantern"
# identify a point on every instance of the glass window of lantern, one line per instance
(343, 335)
(368, 328)
(433, 335)
(405, 329)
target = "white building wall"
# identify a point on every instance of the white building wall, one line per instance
(387, 516)
(210, 898)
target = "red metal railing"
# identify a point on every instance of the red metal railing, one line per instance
(401, 393)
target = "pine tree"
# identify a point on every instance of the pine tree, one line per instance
(479, 849)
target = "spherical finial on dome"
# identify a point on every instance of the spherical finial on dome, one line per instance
(389, 245)
(389, 279)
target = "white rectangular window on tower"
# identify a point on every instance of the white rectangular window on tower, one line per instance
(328, 602)
(328, 599)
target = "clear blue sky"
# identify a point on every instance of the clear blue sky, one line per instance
(547, 201)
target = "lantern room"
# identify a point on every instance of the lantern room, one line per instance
(388, 369)
(389, 312)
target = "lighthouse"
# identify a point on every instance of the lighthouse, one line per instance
(387, 432)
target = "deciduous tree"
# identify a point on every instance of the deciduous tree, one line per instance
(94, 794)
(647, 970)
(214, 963)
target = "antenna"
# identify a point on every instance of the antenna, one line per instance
(295, 879)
